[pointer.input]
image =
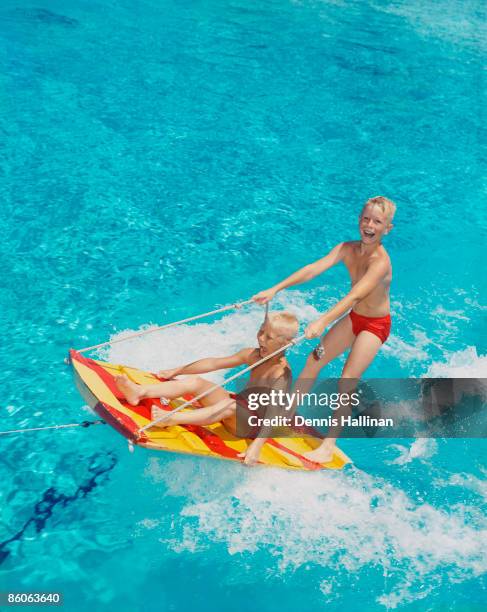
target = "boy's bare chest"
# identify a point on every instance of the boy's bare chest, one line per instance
(357, 268)
(259, 372)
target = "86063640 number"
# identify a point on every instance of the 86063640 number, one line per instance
(20, 598)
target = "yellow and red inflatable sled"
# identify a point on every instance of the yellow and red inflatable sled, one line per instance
(96, 383)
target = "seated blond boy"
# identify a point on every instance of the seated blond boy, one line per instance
(278, 329)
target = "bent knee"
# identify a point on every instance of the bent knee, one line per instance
(229, 410)
(195, 383)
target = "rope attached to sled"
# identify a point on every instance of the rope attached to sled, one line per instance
(82, 424)
(154, 329)
(166, 416)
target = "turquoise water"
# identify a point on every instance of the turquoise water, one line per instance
(161, 158)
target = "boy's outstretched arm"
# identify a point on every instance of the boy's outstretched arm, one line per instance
(360, 290)
(304, 274)
(209, 364)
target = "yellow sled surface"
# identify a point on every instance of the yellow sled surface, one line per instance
(95, 380)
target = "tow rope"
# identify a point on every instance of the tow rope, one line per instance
(154, 329)
(82, 424)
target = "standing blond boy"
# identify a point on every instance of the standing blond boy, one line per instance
(368, 321)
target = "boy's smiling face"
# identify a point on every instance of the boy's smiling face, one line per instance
(269, 339)
(373, 224)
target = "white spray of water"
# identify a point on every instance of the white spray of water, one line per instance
(422, 448)
(347, 520)
(460, 364)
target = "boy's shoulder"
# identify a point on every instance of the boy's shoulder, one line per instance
(348, 247)
(279, 370)
(252, 355)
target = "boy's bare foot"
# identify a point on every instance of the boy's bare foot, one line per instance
(156, 413)
(130, 390)
(323, 453)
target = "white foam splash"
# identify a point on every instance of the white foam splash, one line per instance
(466, 481)
(459, 364)
(404, 352)
(348, 521)
(450, 314)
(422, 448)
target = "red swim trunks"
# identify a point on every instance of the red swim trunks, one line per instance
(379, 326)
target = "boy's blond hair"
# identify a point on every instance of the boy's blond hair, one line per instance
(387, 206)
(285, 323)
